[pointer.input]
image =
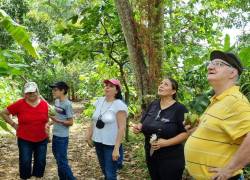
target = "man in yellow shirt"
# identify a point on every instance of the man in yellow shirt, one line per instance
(220, 146)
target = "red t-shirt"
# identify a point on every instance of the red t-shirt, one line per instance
(31, 120)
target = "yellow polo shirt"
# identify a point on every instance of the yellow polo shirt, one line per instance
(220, 132)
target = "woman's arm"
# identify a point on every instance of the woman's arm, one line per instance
(6, 116)
(160, 143)
(89, 135)
(121, 123)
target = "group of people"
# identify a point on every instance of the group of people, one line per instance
(32, 130)
(217, 148)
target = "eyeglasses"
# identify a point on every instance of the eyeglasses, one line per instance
(218, 64)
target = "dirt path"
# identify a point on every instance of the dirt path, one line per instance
(81, 158)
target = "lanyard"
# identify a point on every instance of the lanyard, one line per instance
(100, 114)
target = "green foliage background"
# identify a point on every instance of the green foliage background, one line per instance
(81, 42)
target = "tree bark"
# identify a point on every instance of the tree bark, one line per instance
(134, 47)
(156, 41)
(147, 77)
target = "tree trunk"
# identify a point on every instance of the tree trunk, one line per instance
(147, 77)
(134, 47)
(156, 42)
(73, 93)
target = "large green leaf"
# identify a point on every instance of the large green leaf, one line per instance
(7, 68)
(18, 33)
(245, 56)
(227, 43)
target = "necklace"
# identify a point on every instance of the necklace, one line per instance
(101, 113)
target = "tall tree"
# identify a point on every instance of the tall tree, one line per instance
(145, 49)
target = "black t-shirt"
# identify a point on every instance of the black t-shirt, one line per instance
(166, 123)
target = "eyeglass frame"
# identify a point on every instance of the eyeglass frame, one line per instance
(218, 64)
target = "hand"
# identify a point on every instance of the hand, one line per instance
(47, 127)
(190, 129)
(158, 144)
(137, 128)
(14, 125)
(51, 116)
(221, 173)
(115, 154)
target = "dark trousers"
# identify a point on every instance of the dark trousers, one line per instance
(108, 166)
(165, 168)
(59, 149)
(26, 149)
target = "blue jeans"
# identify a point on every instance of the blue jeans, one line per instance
(241, 177)
(59, 149)
(108, 166)
(237, 177)
(26, 149)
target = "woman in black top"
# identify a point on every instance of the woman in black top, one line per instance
(164, 119)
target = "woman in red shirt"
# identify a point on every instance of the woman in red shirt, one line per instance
(32, 115)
